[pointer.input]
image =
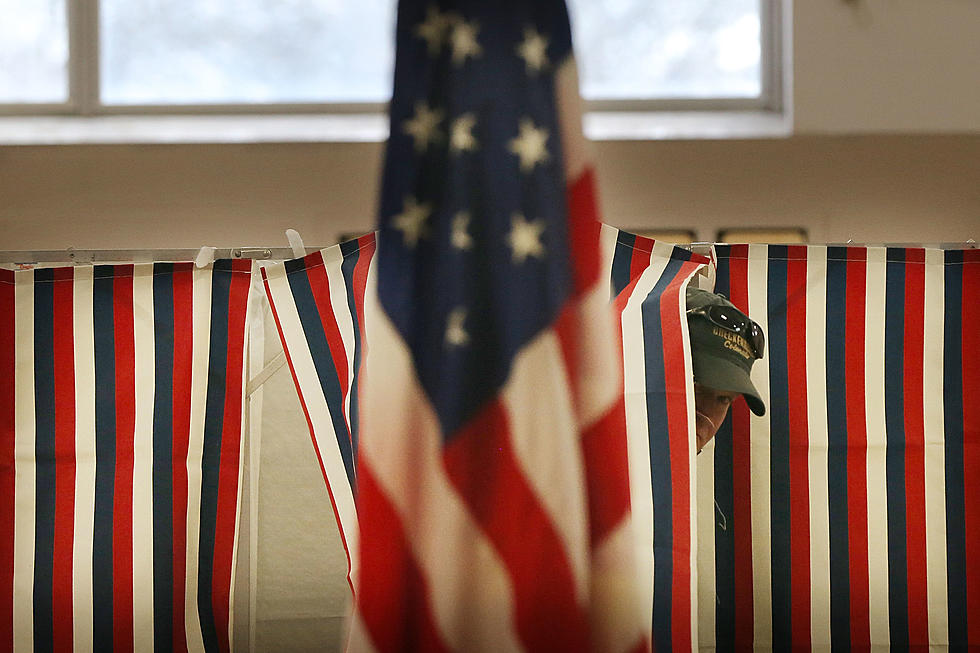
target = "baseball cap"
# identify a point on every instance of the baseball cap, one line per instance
(722, 358)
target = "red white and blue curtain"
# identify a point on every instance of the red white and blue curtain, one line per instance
(649, 279)
(121, 413)
(318, 305)
(849, 515)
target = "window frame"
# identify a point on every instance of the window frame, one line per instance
(84, 85)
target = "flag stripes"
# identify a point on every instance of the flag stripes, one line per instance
(863, 527)
(96, 425)
(295, 317)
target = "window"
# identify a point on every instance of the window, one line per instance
(93, 57)
(33, 51)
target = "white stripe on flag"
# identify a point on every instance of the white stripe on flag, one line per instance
(758, 267)
(145, 374)
(537, 400)
(874, 355)
(599, 382)
(84, 526)
(935, 462)
(486, 589)
(316, 406)
(195, 449)
(817, 434)
(575, 155)
(24, 457)
(333, 259)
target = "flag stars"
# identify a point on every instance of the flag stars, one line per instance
(533, 50)
(433, 30)
(461, 137)
(464, 42)
(525, 238)
(460, 235)
(412, 220)
(456, 335)
(423, 127)
(530, 145)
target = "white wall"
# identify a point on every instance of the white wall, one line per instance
(865, 66)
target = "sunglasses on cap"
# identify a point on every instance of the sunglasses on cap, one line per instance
(732, 319)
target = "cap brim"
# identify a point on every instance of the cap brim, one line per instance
(722, 374)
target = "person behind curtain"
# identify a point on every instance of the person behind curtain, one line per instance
(724, 345)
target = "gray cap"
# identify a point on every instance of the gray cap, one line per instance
(722, 358)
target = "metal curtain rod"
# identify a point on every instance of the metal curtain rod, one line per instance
(703, 247)
(72, 255)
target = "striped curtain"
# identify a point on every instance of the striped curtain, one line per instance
(848, 515)
(121, 403)
(648, 283)
(318, 305)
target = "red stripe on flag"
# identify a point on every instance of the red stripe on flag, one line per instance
(122, 502)
(7, 478)
(741, 474)
(675, 389)
(183, 299)
(482, 465)
(607, 472)
(64, 413)
(604, 442)
(316, 272)
(583, 231)
(915, 463)
(393, 595)
(971, 439)
(231, 437)
(799, 488)
(857, 445)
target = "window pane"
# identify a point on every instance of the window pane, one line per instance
(33, 51)
(657, 49)
(231, 51)
(282, 51)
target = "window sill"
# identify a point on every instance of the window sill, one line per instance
(358, 128)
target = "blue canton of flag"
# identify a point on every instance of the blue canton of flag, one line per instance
(473, 247)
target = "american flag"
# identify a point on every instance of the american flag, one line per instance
(121, 405)
(848, 515)
(492, 488)
(318, 303)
